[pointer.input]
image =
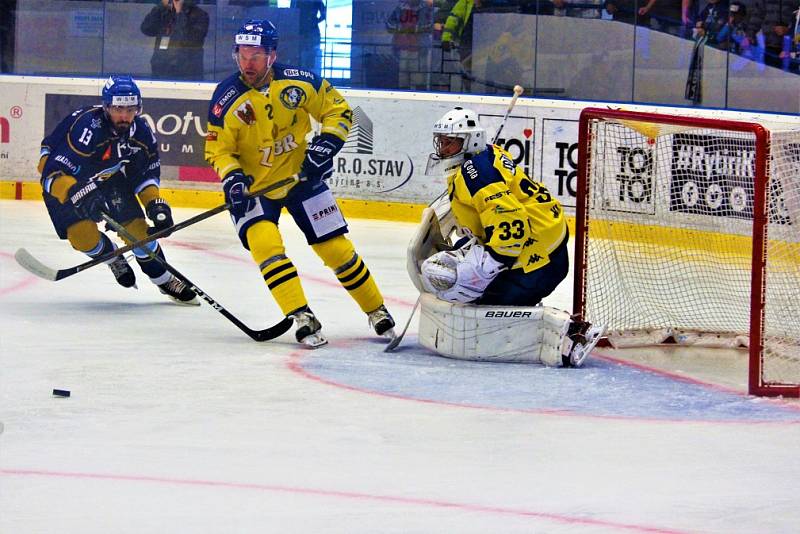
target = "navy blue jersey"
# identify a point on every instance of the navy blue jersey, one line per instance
(86, 146)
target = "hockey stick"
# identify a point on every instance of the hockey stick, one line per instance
(396, 341)
(518, 89)
(33, 265)
(259, 335)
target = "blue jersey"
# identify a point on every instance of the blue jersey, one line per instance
(85, 146)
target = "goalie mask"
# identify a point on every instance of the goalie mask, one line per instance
(255, 50)
(456, 135)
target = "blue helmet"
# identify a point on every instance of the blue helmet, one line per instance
(121, 90)
(257, 32)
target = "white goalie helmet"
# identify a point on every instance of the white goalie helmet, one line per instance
(455, 136)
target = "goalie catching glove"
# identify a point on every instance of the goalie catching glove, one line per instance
(460, 275)
(318, 164)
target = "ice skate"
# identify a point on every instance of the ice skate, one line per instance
(123, 272)
(179, 292)
(582, 339)
(382, 322)
(309, 329)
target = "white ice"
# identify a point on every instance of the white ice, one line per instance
(179, 423)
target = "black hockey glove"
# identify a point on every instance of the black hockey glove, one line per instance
(318, 164)
(135, 161)
(88, 201)
(160, 213)
(236, 188)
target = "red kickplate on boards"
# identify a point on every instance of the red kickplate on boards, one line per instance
(197, 174)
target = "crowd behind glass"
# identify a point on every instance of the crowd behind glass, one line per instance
(420, 45)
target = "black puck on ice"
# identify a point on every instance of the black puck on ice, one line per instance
(61, 393)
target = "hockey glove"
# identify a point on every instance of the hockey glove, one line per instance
(471, 268)
(236, 188)
(318, 164)
(88, 201)
(160, 213)
(135, 161)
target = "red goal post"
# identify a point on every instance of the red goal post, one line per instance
(688, 232)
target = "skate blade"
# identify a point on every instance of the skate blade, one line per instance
(314, 341)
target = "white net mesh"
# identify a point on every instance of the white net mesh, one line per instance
(670, 237)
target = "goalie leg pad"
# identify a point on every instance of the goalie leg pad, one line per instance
(520, 334)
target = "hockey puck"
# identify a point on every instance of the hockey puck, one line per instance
(61, 393)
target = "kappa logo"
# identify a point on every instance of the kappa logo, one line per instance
(293, 97)
(246, 113)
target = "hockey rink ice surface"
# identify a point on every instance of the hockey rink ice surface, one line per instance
(179, 423)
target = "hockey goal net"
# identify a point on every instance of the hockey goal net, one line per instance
(688, 232)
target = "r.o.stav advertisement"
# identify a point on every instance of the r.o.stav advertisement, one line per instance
(715, 175)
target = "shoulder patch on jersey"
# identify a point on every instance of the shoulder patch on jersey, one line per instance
(245, 113)
(293, 97)
(225, 94)
(479, 171)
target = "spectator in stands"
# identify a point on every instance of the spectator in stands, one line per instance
(578, 9)
(711, 19)
(689, 9)
(410, 24)
(180, 28)
(441, 10)
(790, 55)
(458, 28)
(771, 18)
(312, 12)
(735, 35)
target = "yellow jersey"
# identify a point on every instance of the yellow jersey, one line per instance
(264, 131)
(515, 217)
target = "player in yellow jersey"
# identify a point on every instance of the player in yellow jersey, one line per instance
(258, 121)
(489, 286)
(519, 254)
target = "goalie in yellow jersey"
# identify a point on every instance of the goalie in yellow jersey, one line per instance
(258, 120)
(513, 253)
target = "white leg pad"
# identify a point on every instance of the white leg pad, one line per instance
(523, 334)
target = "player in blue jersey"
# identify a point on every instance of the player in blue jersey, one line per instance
(100, 159)
(258, 121)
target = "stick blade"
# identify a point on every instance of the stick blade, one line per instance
(28, 262)
(273, 331)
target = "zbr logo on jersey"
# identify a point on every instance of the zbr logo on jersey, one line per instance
(293, 97)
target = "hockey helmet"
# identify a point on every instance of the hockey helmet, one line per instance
(257, 32)
(121, 90)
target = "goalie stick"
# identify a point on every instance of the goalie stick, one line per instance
(34, 266)
(258, 335)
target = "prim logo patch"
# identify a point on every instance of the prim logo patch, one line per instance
(293, 97)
